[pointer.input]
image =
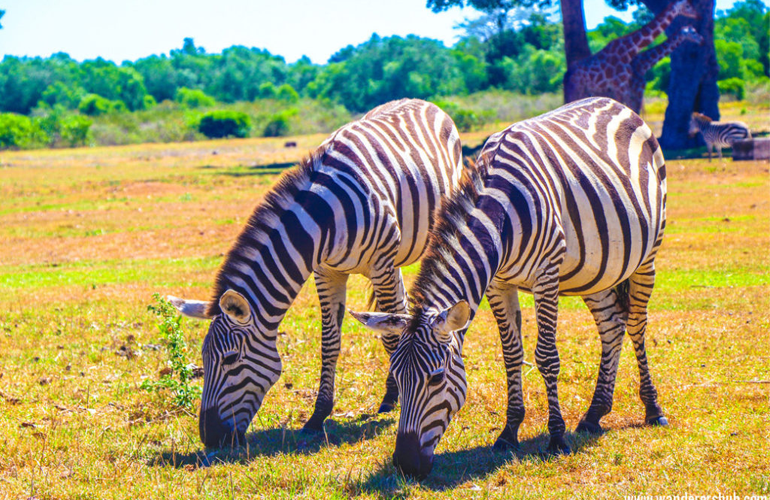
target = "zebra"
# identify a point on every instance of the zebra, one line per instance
(361, 203)
(572, 202)
(718, 134)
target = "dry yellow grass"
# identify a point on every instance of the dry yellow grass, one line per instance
(88, 235)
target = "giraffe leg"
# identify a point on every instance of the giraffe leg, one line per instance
(546, 292)
(331, 293)
(610, 319)
(504, 301)
(389, 290)
(641, 284)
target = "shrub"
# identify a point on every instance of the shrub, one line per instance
(193, 98)
(217, 124)
(96, 105)
(15, 130)
(465, 119)
(149, 102)
(279, 126)
(287, 93)
(732, 86)
(267, 91)
(75, 130)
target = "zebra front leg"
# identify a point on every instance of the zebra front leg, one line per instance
(640, 290)
(390, 293)
(610, 317)
(504, 301)
(546, 292)
(331, 294)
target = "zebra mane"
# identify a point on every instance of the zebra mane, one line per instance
(450, 218)
(262, 220)
(702, 118)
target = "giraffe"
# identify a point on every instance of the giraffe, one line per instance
(643, 62)
(608, 73)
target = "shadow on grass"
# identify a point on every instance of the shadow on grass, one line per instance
(451, 469)
(254, 170)
(280, 440)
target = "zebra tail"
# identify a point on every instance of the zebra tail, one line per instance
(622, 291)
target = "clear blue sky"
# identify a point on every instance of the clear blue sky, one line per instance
(131, 29)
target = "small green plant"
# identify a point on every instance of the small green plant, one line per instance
(178, 375)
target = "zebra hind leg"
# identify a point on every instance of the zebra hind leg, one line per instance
(331, 293)
(640, 290)
(390, 293)
(610, 316)
(504, 301)
(546, 292)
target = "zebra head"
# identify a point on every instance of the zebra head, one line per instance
(697, 122)
(240, 364)
(429, 371)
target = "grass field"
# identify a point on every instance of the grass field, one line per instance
(88, 235)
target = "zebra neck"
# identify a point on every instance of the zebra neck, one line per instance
(282, 244)
(461, 264)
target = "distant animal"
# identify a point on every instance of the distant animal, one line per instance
(362, 203)
(290, 144)
(718, 134)
(569, 203)
(609, 72)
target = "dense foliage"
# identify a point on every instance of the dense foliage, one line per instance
(507, 49)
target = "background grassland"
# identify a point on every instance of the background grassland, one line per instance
(89, 234)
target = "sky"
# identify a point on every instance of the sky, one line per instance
(129, 30)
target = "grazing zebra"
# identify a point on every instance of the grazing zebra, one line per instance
(568, 203)
(718, 134)
(361, 203)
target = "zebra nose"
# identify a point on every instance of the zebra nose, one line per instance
(214, 432)
(409, 457)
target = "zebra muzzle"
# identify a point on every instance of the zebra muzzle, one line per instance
(409, 457)
(214, 432)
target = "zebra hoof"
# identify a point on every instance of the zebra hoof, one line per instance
(657, 421)
(589, 427)
(385, 408)
(313, 426)
(558, 446)
(507, 440)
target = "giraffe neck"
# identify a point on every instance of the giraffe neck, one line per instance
(641, 38)
(647, 59)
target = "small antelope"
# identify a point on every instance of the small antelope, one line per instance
(719, 134)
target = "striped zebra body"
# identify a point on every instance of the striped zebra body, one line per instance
(568, 203)
(718, 134)
(362, 203)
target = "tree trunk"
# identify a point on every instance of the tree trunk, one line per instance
(575, 38)
(694, 72)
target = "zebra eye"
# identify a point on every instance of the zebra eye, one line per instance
(230, 358)
(437, 377)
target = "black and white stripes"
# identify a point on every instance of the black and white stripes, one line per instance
(362, 203)
(568, 203)
(718, 134)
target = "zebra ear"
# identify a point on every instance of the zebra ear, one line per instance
(382, 322)
(191, 308)
(451, 319)
(236, 306)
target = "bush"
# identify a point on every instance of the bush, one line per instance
(15, 131)
(217, 124)
(465, 119)
(75, 130)
(96, 105)
(287, 93)
(732, 86)
(267, 91)
(278, 126)
(193, 98)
